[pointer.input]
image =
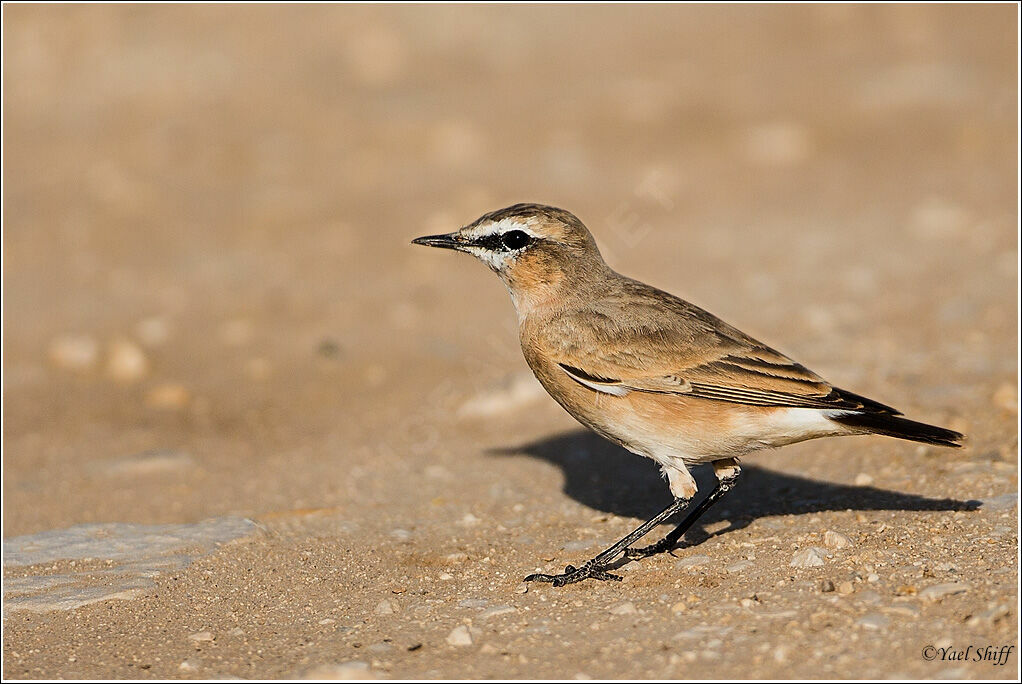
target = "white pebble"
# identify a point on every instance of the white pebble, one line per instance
(1006, 397)
(201, 636)
(873, 621)
(384, 607)
(938, 591)
(626, 608)
(460, 636)
(353, 669)
(835, 540)
(692, 562)
(738, 567)
(473, 603)
(513, 393)
(126, 362)
(497, 610)
(863, 480)
(74, 352)
(808, 557)
(938, 218)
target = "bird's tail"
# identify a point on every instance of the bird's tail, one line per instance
(902, 428)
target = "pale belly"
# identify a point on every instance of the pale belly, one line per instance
(675, 428)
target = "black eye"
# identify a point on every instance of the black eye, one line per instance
(515, 239)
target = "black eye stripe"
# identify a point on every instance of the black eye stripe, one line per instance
(505, 242)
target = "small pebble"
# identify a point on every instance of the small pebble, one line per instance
(992, 615)
(936, 592)
(577, 546)
(201, 636)
(827, 586)
(873, 621)
(74, 352)
(626, 608)
(153, 332)
(863, 480)
(352, 669)
(835, 540)
(1006, 397)
(473, 603)
(522, 588)
(497, 610)
(808, 557)
(460, 636)
(692, 562)
(384, 607)
(188, 666)
(738, 567)
(679, 607)
(126, 362)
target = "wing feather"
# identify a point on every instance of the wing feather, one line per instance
(665, 345)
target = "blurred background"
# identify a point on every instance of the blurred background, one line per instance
(212, 306)
(212, 309)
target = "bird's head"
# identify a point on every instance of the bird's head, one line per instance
(535, 249)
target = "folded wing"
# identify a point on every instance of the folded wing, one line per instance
(668, 346)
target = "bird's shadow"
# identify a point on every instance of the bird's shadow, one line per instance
(607, 478)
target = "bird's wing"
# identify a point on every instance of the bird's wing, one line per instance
(664, 345)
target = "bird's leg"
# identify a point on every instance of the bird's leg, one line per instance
(596, 568)
(727, 472)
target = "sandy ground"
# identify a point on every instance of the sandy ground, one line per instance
(212, 312)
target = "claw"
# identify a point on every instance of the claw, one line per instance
(572, 574)
(644, 552)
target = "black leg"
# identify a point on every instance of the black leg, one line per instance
(596, 568)
(724, 486)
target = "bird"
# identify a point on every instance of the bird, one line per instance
(654, 373)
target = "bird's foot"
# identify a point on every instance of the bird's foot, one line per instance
(572, 574)
(647, 551)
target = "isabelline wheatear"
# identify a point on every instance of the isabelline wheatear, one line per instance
(653, 373)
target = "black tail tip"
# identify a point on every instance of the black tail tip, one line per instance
(902, 428)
